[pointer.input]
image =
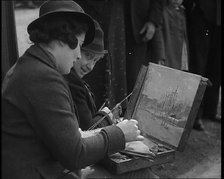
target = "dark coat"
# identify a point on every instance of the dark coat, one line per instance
(204, 32)
(139, 53)
(174, 33)
(144, 11)
(208, 10)
(40, 136)
(83, 99)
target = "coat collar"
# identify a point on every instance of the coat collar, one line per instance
(43, 55)
(75, 75)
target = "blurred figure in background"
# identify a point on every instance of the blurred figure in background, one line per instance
(204, 31)
(143, 18)
(25, 4)
(31, 4)
(174, 34)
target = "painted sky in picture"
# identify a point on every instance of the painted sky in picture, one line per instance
(160, 80)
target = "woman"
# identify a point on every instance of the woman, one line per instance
(82, 96)
(40, 131)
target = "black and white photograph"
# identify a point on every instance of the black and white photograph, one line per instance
(111, 89)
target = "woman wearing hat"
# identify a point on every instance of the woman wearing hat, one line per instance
(82, 96)
(40, 131)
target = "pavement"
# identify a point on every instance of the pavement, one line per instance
(201, 157)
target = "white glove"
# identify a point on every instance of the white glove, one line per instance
(107, 110)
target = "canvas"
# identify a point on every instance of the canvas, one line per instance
(165, 102)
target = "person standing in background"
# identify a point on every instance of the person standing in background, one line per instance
(174, 35)
(143, 18)
(25, 4)
(204, 32)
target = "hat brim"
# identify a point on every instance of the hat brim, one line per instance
(89, 34)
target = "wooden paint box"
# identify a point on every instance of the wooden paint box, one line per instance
(165, 102)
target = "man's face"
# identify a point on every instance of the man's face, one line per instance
(87, 62)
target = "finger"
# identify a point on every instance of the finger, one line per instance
(142, 30)
(144, 39)
(125, 120)
(138, 132)
(134, 121)
(140, 138)
(149, 36)
(106, 108)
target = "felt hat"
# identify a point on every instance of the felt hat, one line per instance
(65, 7)
(97, 45)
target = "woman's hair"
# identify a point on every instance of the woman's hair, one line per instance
(58, 27)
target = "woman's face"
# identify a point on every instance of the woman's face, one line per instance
(86, 63)
(176, 2)
(67, 56)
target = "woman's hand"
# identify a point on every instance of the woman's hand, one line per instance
(130, 130)
(115, 115)
(108, 111)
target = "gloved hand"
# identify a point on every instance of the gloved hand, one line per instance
(115, 114)
(108, 111)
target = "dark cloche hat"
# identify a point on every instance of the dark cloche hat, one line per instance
(65, 7)
(97, 45)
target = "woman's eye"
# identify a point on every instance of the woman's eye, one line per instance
(88, 55)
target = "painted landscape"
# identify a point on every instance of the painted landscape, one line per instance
(165, 103)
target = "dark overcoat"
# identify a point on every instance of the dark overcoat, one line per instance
(204, 32)
(84, 102)
(140, 53)
(40, 131)
(144, 11)
(175, 36)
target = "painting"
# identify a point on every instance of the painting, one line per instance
(164, 102)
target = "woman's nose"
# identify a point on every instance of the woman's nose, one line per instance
(79, 56)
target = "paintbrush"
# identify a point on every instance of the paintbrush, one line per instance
(116, 106)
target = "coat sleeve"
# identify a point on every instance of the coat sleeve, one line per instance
(105, 122)
(156, 47)
(57, 127)
(85, 105)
